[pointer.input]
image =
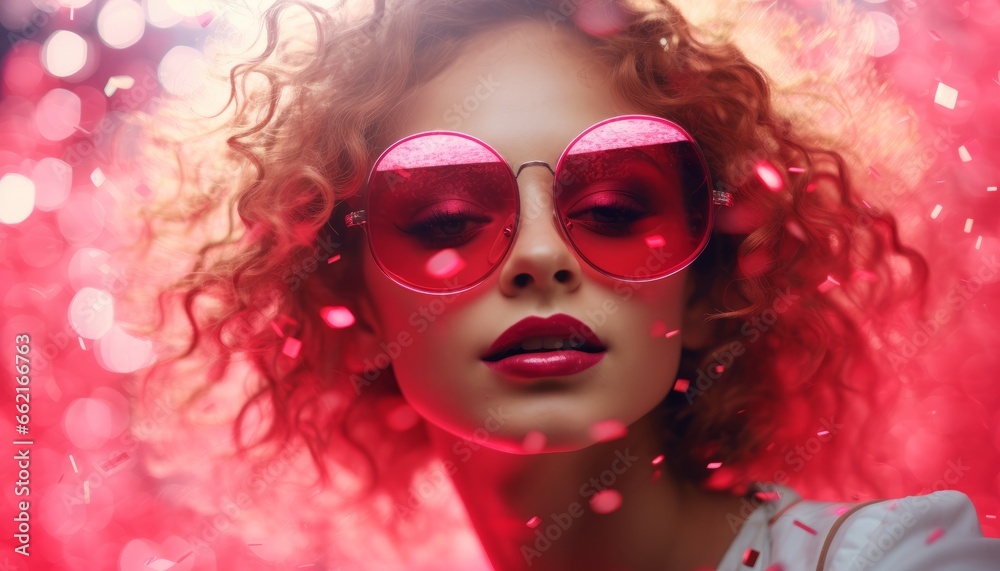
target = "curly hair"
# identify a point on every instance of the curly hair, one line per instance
(797, 280)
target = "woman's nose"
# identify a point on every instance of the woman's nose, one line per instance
(541, 258)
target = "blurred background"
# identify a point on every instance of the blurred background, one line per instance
(71, 69)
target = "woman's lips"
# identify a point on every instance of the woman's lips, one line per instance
(546, 363)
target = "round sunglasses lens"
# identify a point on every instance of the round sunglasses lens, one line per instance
(442, 211)
(634, 197)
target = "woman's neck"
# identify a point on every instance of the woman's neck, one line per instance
(661, 524)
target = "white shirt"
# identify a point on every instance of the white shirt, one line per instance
(935, 532)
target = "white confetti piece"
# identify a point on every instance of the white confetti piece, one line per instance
(946, 96)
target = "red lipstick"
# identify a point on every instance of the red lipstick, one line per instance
(545, 347)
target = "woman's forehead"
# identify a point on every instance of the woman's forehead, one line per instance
(527, 89)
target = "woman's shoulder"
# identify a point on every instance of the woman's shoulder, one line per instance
(937, 531)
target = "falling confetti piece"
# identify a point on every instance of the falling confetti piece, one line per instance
(946, 96)
(827, 285)
(775, 567)
(445, 263)
(796, 169)
(719, 368)
(804, 526)
(768, 496)
(963, 153)
(968, 225)
(337, 317)
(937, 210)
(607, 430)
(533, 522)
(73, 462)
(682, 385)
(979, 242)
(991, 189)
(714, 465)
(769, 176)
(291, 347)
(205, 19)
(822, 433)
(750, 557)
(86, 491)
(655, 241)
(97, 177)
(934, 535)
(116, 82)
(934, 35)
(277, 329)
(673, 333)
(658, 460)
(606, 501)
(333, 259)
(534, 442)
(795, 229)
(874, 173)
(842, 510)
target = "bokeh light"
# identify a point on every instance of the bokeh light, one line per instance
(58, 114)
(17, 198)
(120, 23)
(64, 53)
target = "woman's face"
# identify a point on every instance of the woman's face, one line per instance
(527, 89)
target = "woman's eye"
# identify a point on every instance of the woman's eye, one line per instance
(447, 223)
(608, 213)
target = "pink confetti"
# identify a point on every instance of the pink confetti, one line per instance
(934, 535)
(445, 263)
(277, 329)
(769, 176)
(533, 522)
(822, 433)
(534, 442)
(796, 169)
(291, 347)
(337, 317)
(841, 510)
(768, 496)
(719, 368)
(775, 567)
(606, 501)
(750, 557)
(829, 284)
(714, 465)
(946, 96)
(607, 430)
(658, 460)
(655, 241)
(804, 526)
(205, 19)
(874, 173)
(673, 333)
(682, 385)
(934, 35)
(333, 259)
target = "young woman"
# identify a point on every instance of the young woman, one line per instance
(569, 260)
